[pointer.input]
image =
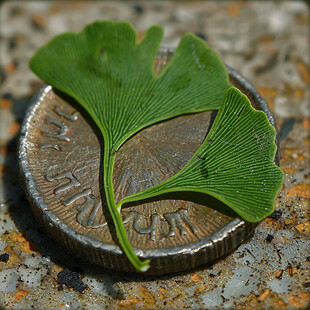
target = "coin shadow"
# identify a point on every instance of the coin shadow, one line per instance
(26, 224)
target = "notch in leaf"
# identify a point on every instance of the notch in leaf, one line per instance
(234, 164)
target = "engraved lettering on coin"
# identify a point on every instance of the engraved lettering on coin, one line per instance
(73, 181)
(60, 133)
(84, 194)
(89, 213)
(178, 220)
(137, 218)
(71, 117)
(146, 230)
(50, 146)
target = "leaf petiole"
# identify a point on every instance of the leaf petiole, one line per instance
(115, 213)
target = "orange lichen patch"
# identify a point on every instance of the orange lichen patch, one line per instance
(303, 71)
(13, 258)
(14, 128)
(267, 91)
(280, 304)
(288, 169)
(305, 296)
(288, 221)
(161, 296)
(3, 150)
(9, 249)
(234, 9)
(55, 8)
(269, 94)
(10, 68)
(147, 299)
(293, 154)
(304, 228)
(302, 189)
(5, 103)
(129, 302)
(292, 271)
(264, 295)
(38, 20)
(266, 39)
(306, 123)
(279, 274)
(299, 93)
(56, 268)
(177, 304)
(272, 222)
(201, 288)
(300, 157)
(195, 277)
(4, 169)
(20, 294)
(23, 243)
(163, 292)
(299, 301)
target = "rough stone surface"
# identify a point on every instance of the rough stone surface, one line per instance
(265, 41)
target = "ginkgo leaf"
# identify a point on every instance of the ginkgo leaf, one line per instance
(234, 164)
(111, 75)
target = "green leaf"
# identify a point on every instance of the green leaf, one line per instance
(234, 164)
(111, 75)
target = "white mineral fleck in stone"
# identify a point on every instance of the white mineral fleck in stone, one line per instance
(213, 299)
(241, 283)
(32, 277)
(2, 245)
(96, 286)
(6, 223)
(33, 262)
(280, 286)
(8, 280)
(71, 301)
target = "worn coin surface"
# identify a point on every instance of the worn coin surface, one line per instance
(60, 158)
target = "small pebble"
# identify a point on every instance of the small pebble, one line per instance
(71, 279)
(269, 238)
(4, 257)
(12, 44)
(138, 8)
(276, 215)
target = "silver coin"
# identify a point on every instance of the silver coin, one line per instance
(60, 152)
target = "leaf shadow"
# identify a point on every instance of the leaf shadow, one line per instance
(195, 197)
(98, 133)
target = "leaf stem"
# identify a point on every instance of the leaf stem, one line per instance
(115, 212)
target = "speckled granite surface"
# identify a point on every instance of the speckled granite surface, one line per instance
(267, 42)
